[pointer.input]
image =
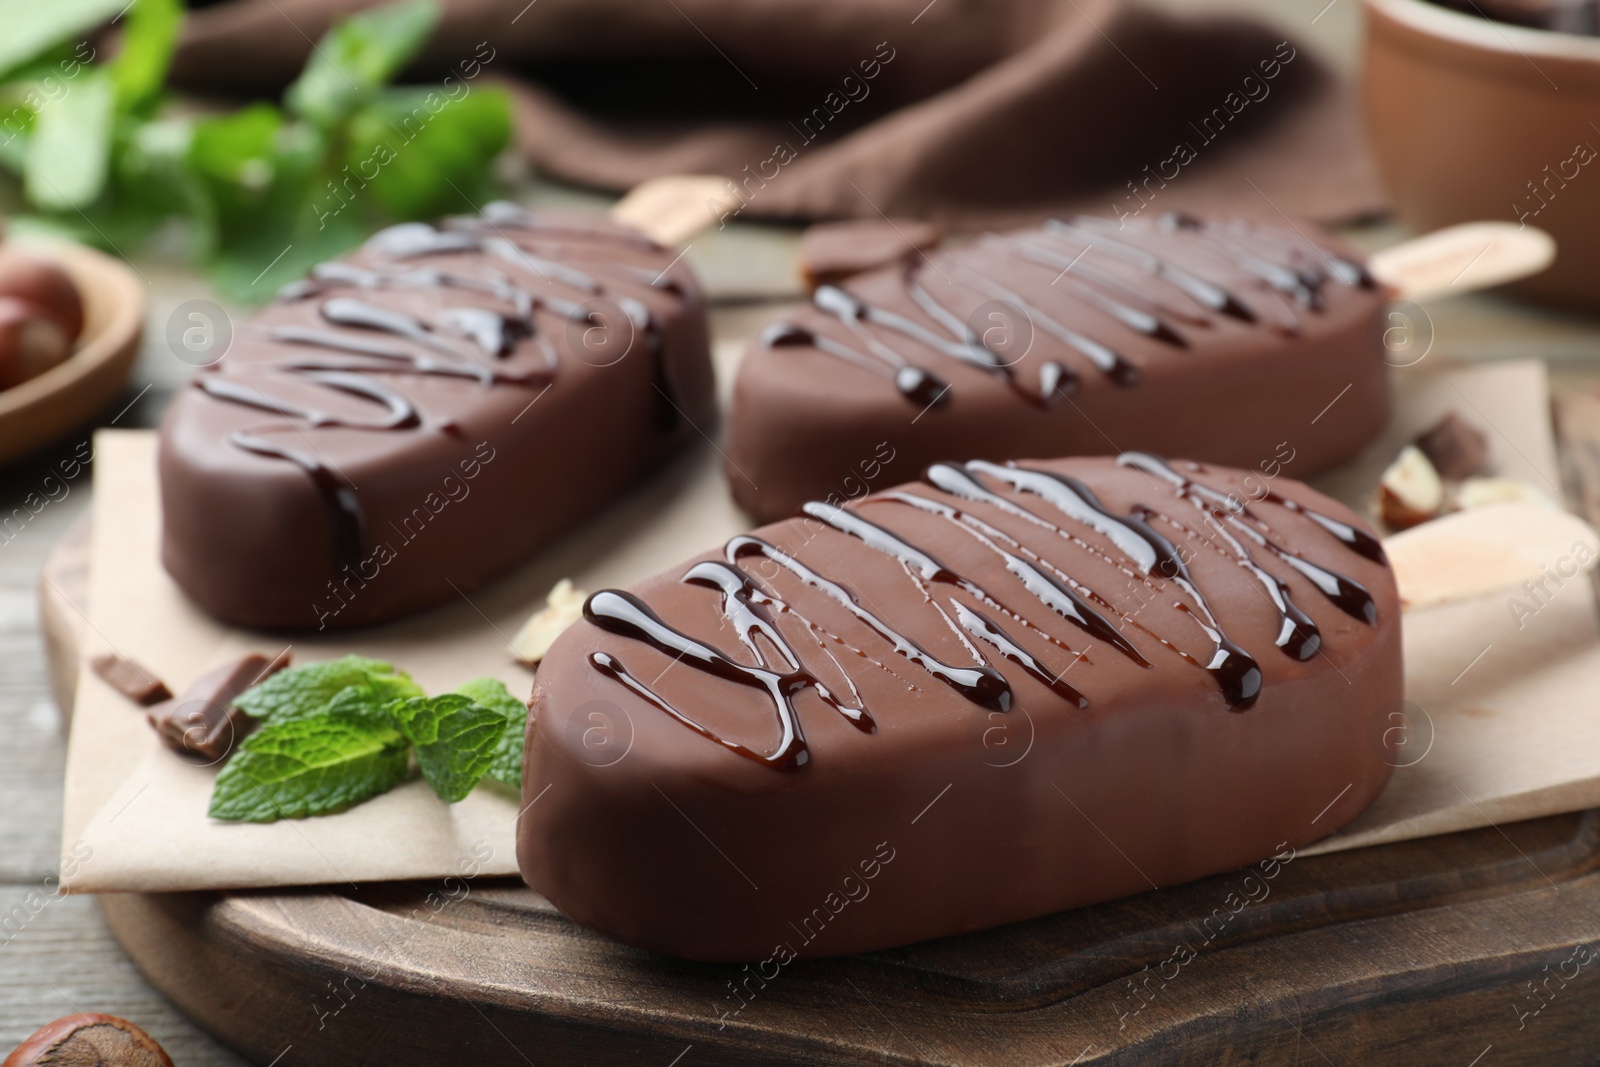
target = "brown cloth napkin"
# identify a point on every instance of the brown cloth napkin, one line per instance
(971, 113)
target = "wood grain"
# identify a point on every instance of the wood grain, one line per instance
(1426, 947)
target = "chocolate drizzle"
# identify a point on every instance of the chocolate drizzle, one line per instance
(1128, 541)
(915, 382)
(344, 509)
(1346, 593)
(1060, 598)
(1153, 281)
(626, 614)
(1235, 669)
(486, 345)
(402, 413)
(981, 684)
(985, 629)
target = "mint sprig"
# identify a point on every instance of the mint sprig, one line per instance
(454, 739)
(343, 731)
(308, 690)
(312, 764)
(506, 766)
(263, 192)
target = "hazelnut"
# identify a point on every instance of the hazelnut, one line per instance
(45, 285)
(89, 1040)
(1482, 492)
(1411, 491)
(30, 341)
(563, 607)
(1456, 448)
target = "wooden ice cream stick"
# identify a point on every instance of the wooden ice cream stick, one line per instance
(1492, 549)
(1462, 259)
(675, 207)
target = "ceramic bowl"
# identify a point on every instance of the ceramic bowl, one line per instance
(1473, 119)
(66, 396)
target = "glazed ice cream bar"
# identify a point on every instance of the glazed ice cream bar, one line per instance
(990, 694)
(411, 421)
(1228, 341)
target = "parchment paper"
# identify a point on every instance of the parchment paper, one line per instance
(1501, 721)
(1502, 724)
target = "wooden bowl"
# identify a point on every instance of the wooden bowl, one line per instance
(1466, 115)
(71, 393)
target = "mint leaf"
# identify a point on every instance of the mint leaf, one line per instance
(360, 705)
(301, 692)
(506, 766)
(69, 152)
(259, 254)
(268, 211)
(31, 28)
(420, 151)
(148, 41)
(316, 765)
(358, 56)
(455, 740)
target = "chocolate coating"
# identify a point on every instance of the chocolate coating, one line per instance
(412, 421)
(982, 697)
(1221, 340)
(831, 252)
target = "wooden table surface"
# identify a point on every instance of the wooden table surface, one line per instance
(56, 955)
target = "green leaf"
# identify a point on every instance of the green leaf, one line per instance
(419, 151)
(506, 767)
(455, 739)
(239, 149)
(148, 39)
(251, 264)
(70, 149)
(315, 765)
(267, 212)
(358, 56)
(16, 124)
(303, 692)
(32, 26)
(362, 705)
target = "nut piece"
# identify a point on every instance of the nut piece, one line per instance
(30, 341)
(1482, 492)
(1456, 448)
(1411, 491)
(563, 607)
(89, 1040)
(46, 286)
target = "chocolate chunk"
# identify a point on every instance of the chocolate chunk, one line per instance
(830, 252)
(412, 421)
(137, 683)
(203, 722)
(970, 700)
(1456, 448)
(1226, 341)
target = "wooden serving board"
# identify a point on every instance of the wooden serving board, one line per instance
(1465, 950)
